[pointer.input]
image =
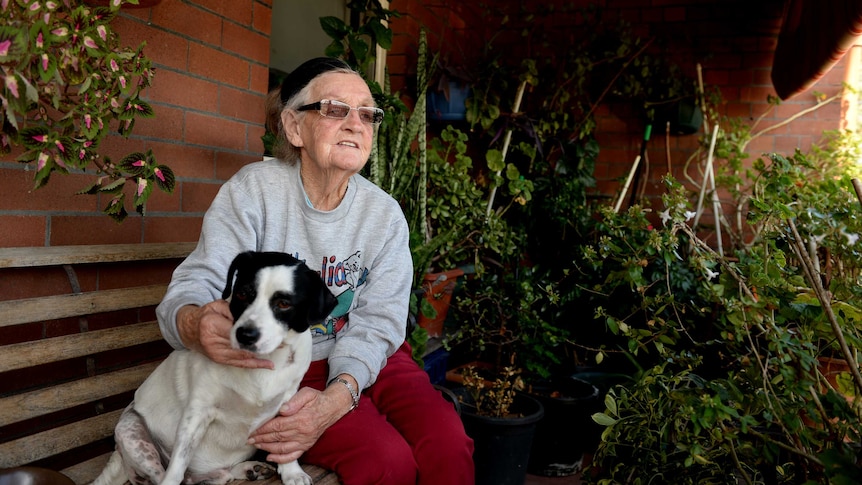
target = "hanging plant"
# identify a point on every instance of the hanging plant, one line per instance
(65, 84)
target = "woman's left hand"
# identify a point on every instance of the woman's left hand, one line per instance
(299, 423)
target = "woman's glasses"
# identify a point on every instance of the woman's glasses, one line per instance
(338, 110)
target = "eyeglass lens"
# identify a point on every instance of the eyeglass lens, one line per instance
(337, 109)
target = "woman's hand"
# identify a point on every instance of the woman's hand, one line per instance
(301, 421)
(206, 329)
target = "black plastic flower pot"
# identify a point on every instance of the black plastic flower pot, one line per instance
(563, 435)
(502, 445)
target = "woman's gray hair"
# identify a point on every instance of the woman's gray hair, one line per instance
(282, 148)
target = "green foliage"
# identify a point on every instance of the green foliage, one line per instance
(66, 83)
(730, 389)
(356, 43)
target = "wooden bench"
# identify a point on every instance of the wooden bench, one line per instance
(78, 335)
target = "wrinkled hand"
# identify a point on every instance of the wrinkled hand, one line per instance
(207, 330)
(299, 424)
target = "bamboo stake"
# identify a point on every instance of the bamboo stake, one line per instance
(707, 174)
(628, 182)
(515, 108)
(858, 186)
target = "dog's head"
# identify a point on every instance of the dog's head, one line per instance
(273, 294)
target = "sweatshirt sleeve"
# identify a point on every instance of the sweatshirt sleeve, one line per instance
(227, 230)
(378, 321)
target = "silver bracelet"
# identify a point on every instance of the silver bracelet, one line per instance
(350, 389)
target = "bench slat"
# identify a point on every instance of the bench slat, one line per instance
(29, 354)
(86, 472)
(96, 253)
(64, 396)
(53, 441)
(15, 312)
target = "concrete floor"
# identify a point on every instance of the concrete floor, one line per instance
(539, 480)
(569, 480)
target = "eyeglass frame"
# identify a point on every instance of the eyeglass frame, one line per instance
(377, 113)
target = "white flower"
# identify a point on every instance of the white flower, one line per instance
(665, 216)
(710, 274)
(688, 215)
(851, 237)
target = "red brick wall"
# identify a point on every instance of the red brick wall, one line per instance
(212, 64)
(733, 41)
(211, 59)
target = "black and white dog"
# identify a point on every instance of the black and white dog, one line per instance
(195, 414)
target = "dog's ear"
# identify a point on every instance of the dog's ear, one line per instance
(241, 259)
(321, 301)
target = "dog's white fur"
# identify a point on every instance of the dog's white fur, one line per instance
(200, 413)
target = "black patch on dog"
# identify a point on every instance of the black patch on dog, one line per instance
(309, 304)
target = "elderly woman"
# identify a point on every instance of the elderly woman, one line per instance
(365, 409)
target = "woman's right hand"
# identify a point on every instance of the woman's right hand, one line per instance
(206, 329)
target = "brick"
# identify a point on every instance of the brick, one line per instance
(166, 125)
(171, 229)
(262, 18)
(239, 11)
(163, 48)
(161, 201)
(178, 89)
(186, 161)
(213, 64)
(22, 231)
(197, 197)
(259, 79)
(255, 142)
(786, 145)
(95, 229)
(246, 42)
(17, 192)
(214, 131)
(227, 164)
(176, 16)
(243, 105)
(117, 147)
(133, 274)
(18, 283)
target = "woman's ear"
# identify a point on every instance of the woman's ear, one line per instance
(290, 122)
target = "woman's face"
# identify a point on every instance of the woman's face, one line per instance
(328, 143)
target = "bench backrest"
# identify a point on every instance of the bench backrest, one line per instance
(77, 336)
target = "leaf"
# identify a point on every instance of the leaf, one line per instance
(169, 182)
(334, 27)
(114, 187)
(494, 158)
(603, 419)
(611, 404)
(335, 49)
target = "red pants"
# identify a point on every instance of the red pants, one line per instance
(403, 431)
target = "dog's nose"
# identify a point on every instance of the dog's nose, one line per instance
(247, 335)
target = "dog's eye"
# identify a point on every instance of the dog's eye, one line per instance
(241, 295)
(281, 303)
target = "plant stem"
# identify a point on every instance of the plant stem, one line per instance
(813, 278)
(785, 447)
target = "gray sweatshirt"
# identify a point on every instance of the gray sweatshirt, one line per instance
(361, 250)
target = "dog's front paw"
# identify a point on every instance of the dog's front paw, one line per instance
(292, 474)
(301, 479)
(252, 470)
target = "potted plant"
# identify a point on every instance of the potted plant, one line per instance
(729, 387)
(501, 422)
(66, 84)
